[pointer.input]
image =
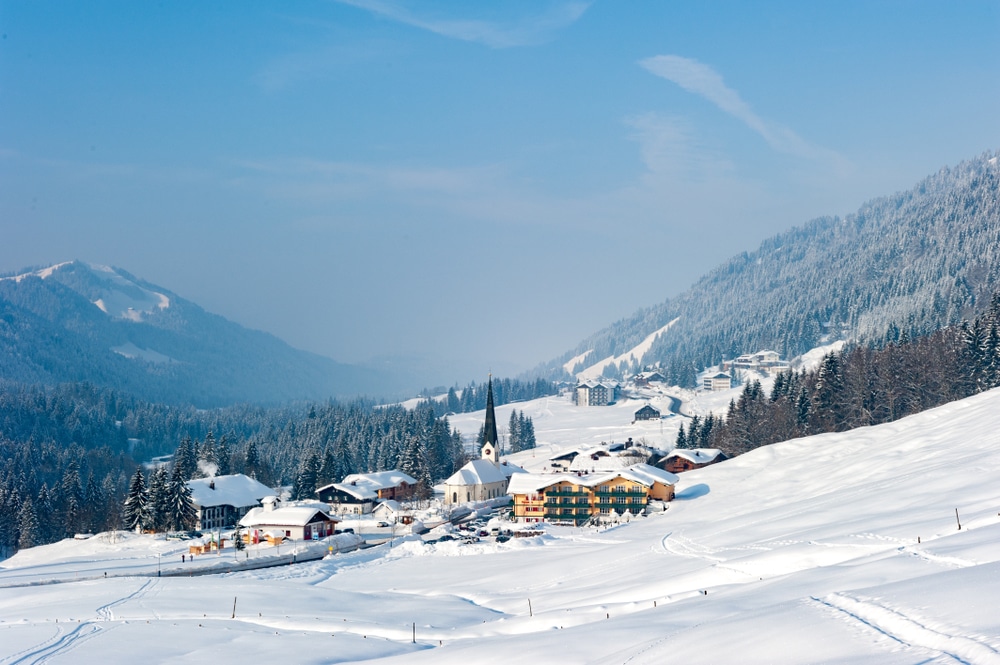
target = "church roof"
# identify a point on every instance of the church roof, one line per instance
(477, 472)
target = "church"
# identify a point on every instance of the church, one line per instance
(486, 477)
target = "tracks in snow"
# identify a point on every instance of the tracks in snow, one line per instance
(912, 631)
(58, 645)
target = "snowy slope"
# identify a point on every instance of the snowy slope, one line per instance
(839, 548)
(114, 293)
(634, 354)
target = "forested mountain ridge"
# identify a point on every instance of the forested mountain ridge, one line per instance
(914, 261)
(78, 322)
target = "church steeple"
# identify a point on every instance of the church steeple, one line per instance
(491, 440)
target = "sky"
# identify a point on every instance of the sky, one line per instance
(469, 186)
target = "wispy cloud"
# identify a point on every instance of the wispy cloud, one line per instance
(700, 79)
(669, 146)
(524, 31)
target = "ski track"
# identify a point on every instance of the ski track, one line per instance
(106, 612)
(58, 645)
(911, 631)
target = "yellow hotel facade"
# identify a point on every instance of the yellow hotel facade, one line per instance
(576, 498)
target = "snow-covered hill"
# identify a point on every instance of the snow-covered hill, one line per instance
(838, 548)
(73, 321)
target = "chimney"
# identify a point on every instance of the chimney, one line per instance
(211, 484)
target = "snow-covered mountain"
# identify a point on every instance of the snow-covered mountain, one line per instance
(76, 321)
(911, 262)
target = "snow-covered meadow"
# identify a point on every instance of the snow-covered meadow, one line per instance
(834, 548)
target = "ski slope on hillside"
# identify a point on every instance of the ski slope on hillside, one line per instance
(838, 548)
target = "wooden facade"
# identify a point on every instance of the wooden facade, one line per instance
(576, 500)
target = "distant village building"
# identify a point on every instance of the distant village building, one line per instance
(596, 393)
(720, 381)
(576, 499)
(762, 361)
(297, 521)
(685, 460)
(643, 379)
(647, 413)
(222, 500)
(484, 478)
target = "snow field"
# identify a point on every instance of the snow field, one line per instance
(801, 552)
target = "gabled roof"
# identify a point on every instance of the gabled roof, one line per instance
(389, 505)
(721, 375)
(359, 492)
(236, 490)
(300, 515)
(477, 472)
(696, 455)
(380, 480)
(643, 474)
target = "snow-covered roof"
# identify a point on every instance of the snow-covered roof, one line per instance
(720, 375)
(236, 490)
(643, 474)
(477, 472)
(697, 455)
(640, 473)
(360, 492)
(299, 515)
(389, 505)
(379, 480)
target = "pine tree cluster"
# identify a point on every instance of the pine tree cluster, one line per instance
(863, 385)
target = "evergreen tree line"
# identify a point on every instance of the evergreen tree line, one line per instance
(162, 505)
(68, 454)
(862, 385)
(505, 391)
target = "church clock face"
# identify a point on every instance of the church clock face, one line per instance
(489, 452)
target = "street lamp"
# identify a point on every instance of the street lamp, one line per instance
(158, 564)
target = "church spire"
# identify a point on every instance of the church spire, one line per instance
(490, 443)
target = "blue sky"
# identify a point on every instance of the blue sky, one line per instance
(480, 185)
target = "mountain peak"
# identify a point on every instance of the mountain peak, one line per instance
(110, 289)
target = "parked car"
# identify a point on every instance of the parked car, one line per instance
(503, 538)
(383, 525)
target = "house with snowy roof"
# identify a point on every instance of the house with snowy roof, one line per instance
(348, 498)
(392, 484)
(643, 379)
(301, 520)
(718, 381)
(486, 477)
(594, 393)
(221, 501)
(647, 413)
(390, 511)
(576, 499)
(681, 460)
(762, 361)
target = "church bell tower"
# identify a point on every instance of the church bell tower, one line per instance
(491, 445)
